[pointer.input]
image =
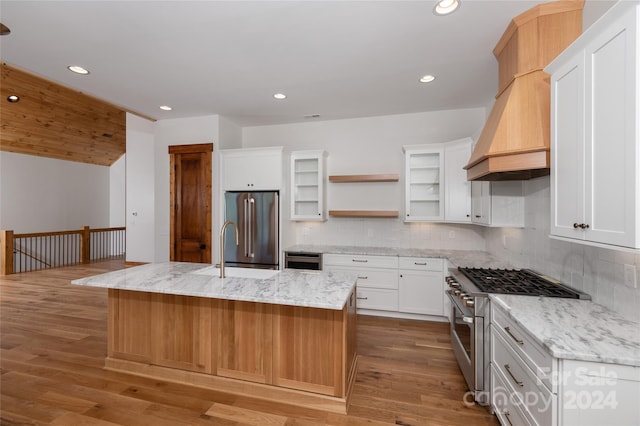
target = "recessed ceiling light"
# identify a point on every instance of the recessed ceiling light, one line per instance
(427, 78)
(13, 98)
(78, 69)
(280, 96)
(445, 7)
(165, 107)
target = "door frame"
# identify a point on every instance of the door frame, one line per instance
(174, 195)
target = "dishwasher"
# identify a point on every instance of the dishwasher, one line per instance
(303, 260)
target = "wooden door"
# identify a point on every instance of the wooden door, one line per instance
(190, 203)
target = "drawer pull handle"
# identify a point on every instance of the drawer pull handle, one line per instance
(363, 278)
(359, 260)
(518, 341)
(420, 263)
(506, 416)
(518, 382)
(362, 298)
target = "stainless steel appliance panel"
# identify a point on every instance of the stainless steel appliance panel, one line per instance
(257, 217)
(296, 260)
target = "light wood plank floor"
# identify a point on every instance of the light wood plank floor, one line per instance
(53, 345)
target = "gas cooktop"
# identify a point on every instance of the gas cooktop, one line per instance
(518, 282)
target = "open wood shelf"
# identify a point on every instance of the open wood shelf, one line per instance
(364, 213)
(364, 178)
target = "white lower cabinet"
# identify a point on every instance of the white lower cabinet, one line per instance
(410, 285)
(421, 286)
(531, 387)
(377, 278)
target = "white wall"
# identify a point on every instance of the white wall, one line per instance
(365, 146)
(117, 192)
(40, 194)
(596, 271)
(140, 189)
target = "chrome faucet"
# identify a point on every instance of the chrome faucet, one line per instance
(222, 232)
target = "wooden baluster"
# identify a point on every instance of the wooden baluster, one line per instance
(85, 246)
(6, 252)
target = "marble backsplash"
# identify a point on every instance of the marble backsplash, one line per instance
(390, 233)
(596, 271)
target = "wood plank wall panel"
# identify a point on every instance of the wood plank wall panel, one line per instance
(54, 121)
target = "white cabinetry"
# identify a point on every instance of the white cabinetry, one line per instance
(531, 387)
(424, 189)
(377, 278)
(251, 169)
(421, 286)
(457, 189)
(595, 143)
(307, 185)
(497, 203)
(391, 284)
(436, 186)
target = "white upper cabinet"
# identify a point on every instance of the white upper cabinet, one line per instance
(436, 186)
(457, 189)
(307, 185)
(595, 144)
(252, 169)
(497, 204)
(424, 189)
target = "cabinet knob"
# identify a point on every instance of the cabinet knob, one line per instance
(468, 215)
(576, 225)
(584, 226)
(478, 216)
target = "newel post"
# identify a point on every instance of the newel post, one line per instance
(85, 245)
(6, 252)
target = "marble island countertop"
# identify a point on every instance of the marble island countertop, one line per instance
(315, 289)
(467, 258)
(575, 329)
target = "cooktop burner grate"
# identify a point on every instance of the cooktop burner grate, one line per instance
(516, 281)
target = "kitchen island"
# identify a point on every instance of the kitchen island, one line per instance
(287, 336)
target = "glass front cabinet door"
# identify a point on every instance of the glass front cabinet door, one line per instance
(424, 184)
(307, 185)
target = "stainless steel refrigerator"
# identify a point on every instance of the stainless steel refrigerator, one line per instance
(257, 217)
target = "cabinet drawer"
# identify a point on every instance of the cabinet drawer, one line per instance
(520, 382)
(506, 409)
(421, 263)
(375, 298)
(537, 359)
(361, 261)
(371, 277)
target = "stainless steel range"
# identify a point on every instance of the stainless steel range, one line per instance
(470, 327)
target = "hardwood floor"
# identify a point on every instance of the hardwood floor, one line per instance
(53, 345)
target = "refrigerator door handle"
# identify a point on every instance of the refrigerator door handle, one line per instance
(244, 227)
(252, 210)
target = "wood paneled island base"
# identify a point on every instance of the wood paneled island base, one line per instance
(296, 355)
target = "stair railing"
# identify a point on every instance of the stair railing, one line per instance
(45, 250)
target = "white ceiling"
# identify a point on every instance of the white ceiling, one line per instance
(339, 59)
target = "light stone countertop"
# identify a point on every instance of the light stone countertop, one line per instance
(467, 258)
(575, 329)
(315, 289)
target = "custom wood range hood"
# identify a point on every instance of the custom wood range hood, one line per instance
(514, 144)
